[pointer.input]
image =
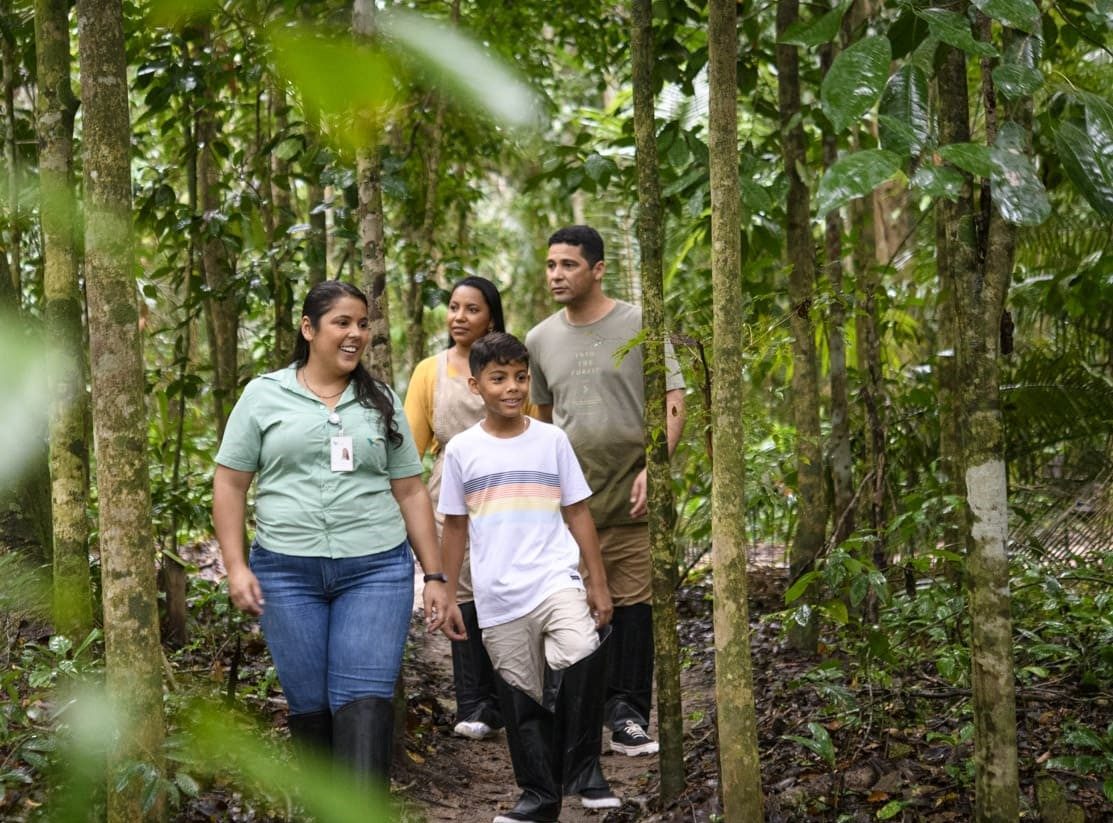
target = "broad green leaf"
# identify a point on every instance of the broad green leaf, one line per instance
(938, 181)
(855, 81)
(800, 586)
(1085, 168)
(1016, 14)
(903, 114)
(972, 158)
(890, 810)
(817, 31)
(599, 168)
(460, 63)
(954, 29)
(1099, 126)
(854, 175)
(836, 610)
(754, 197)
(1019, 75)
(1018, 192)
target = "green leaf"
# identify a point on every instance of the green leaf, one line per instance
(754, 197)
(800, 586)
(903, 114)
(972, 158)
(938, 181)
(859, 588)
(854, 175)
(890, 810)
(1016, 14)
(463, 65)
(288, 149)
(836, 611)
(906, 33)
(1084, 168)
(954, 30)
(817, 31)
(599, 168)
(1018, 192)
(855, 80)
(1099, 126)
(1018, 75)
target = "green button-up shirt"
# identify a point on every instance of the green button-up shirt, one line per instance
(283, 434)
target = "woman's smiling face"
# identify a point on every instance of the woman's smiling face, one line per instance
(340, 337)
(469, 316)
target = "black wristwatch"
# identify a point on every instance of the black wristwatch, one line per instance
(438, 576)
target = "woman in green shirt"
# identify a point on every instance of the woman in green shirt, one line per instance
(337, 490)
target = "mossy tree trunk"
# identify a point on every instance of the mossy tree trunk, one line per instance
(65, 308)
(279, 217)
(651, 233)
(979, 267)
(133, 656)
(812, 522)
(739, 758)
(222, 305)
(369, 182)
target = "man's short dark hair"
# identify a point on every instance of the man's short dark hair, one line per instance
(585, 237)
(496, 347)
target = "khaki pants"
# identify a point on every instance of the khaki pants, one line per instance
(559, 632)
(628, 564)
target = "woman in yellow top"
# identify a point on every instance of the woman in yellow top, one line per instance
(439, 405)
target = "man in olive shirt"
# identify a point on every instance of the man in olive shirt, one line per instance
(599, 403)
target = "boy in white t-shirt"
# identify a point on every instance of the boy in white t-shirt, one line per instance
(513, 485)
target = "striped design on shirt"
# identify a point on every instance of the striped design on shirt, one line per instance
(512, 491)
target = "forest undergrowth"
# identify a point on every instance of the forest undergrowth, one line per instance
(877, 727)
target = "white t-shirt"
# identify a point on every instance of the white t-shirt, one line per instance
(512, 490)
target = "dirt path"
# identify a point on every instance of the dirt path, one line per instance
(450, 778)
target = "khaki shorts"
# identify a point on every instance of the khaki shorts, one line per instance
(559, 632)
(628, 563)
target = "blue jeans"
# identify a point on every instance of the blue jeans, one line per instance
(335, 628)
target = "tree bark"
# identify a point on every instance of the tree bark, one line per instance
(221, 303)
(279, 214)
(69, 445)
(739, 758)
(651, 230)
(979, 291)
(371, 221)
(839, 456)
(426, 263)
(132, 652)
(812, 522)
(11, 286)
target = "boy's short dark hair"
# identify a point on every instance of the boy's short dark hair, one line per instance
(585, 237)
(496, 347)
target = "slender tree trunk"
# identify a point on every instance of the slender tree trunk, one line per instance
(739, 757)
(69, 449)
(427, 237)
(132, 653)
(979, 299)
(811, 527)
(280, 212)
(651, 232)
(838, 443)
(12, 288)
(222, 303)
(369, 181)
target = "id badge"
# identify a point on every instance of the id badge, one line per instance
(343, 459)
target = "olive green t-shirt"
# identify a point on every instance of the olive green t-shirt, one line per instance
(599, 403)
(283, 434)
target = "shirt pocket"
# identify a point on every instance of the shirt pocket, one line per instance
(376, 458)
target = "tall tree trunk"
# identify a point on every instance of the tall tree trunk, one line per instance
(979, 299)
(812, 523)
(132, 653)
(12, 287)
(279, 214)
(69, 448)
(426, 262)
(739, 758)
(222, 303)
(838, 443)
(651, 233)
(369, 173)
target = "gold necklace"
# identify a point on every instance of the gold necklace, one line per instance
(305, 380)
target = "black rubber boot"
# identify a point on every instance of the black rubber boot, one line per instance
(579, 719)
(363, 738)
(311, 733)
(630, 667)
(529, 736)
(477, 696)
